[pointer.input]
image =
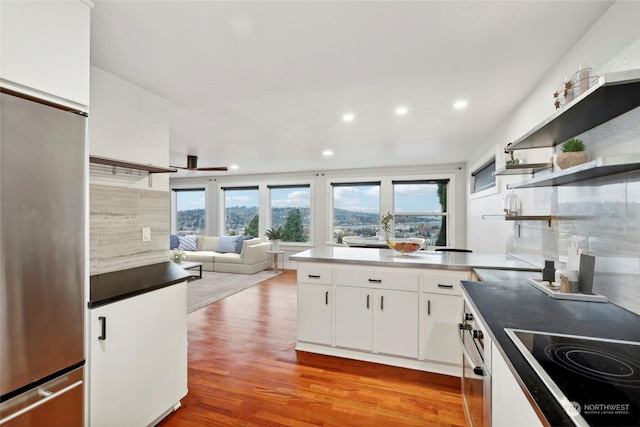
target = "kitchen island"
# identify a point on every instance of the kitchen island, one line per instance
(380, 306)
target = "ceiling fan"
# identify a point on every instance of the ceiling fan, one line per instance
(192, 165)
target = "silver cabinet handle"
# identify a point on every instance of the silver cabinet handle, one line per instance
(49, 396)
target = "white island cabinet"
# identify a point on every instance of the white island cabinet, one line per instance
(396, 316)
(138, 357)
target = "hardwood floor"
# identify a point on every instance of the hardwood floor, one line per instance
(244, 371)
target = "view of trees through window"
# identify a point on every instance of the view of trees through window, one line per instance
(290, 209)
(420, 210)
(190, 211)
(241, 208)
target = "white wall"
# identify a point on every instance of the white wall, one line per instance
(612, 44)
(130, 124)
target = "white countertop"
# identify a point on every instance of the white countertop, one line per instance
(420, 259)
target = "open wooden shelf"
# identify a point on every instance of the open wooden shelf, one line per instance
(129, 165)
(524, 169)
(602, 166)
(613, 95)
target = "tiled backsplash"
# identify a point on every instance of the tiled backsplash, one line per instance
(602, 213)
(117, 216)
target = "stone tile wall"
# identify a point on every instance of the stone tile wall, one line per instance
(117, 216)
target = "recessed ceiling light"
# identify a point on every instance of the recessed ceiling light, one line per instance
(327, 153)
(459, 105)
(233, 167)
(348, 117)
(401, 111)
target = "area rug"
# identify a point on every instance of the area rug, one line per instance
(216, 286)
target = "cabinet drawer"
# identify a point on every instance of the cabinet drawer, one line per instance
(444, 282)
(374, 278)
(314, 274)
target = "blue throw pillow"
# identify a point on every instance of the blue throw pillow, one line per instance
(188, 243)
(227, 244)
(239, 243)
(174, 242)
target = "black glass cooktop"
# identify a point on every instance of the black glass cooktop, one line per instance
(597, 381)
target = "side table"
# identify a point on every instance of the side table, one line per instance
(274, 259)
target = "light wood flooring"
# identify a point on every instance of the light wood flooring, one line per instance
(244, 371)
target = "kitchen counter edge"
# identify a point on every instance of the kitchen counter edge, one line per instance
(116, 286)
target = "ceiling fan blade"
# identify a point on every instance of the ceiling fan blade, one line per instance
(220, 168)
(192, 165)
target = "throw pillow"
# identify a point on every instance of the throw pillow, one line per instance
(174, 242)
(188, 243)
(240, 242)
(227, 244)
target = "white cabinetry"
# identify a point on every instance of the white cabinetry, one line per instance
(509, 405)
(442, 308)
(138, 357)
(397, 316)
(377, 310)
(45, 50)
(314, 305)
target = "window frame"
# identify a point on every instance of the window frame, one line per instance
(223, 204)
(269, 208)
(174, 205)
(490, 156)
(443, 214)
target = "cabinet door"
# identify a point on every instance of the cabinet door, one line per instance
(442, 314)
(397, 322)
(509, 405)
(45, 49)
(314, 313)
(354, 318)
(139, 370)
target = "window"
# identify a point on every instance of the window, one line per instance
(482, 178)
(420, 210)
(189, 211)
(290, 209)
(241, 209)
(356, 210)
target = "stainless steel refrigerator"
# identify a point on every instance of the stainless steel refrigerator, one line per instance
(42, 236)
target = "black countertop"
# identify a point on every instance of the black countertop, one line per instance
(118, 285)
(506, 300)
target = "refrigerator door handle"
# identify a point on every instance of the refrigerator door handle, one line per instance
(49, 397)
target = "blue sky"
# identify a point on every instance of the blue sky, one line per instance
(408, 198)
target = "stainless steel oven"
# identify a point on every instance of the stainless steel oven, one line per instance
(476, 374)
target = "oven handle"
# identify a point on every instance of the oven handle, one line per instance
(478, 370)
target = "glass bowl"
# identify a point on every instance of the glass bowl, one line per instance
(406, 246)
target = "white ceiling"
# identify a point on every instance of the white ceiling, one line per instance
(264, 84)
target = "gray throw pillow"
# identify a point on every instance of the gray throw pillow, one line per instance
(188, 243)
(240, 242)
(227, 244)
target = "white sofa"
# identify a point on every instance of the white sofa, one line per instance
(252, 258)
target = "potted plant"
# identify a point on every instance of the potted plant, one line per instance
(274, 235)
(572, 154)
(385, 223)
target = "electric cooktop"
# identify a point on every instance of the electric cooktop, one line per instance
(597, 381)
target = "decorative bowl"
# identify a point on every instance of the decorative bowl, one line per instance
(406, 246)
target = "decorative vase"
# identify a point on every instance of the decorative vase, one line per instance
(275, 245)
(570, 159)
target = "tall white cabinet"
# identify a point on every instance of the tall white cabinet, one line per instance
(396, 316)
(138, 369)
(46, 50)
